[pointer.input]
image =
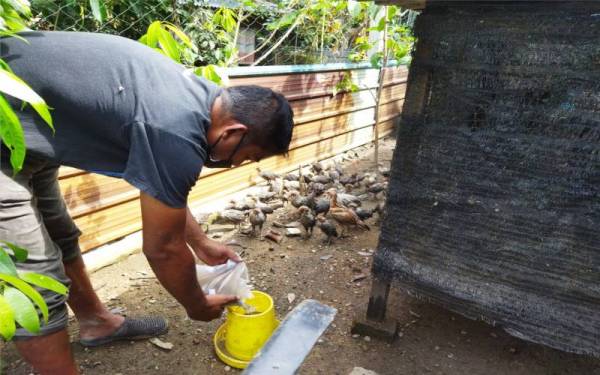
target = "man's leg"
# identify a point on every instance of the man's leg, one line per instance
(97, 326)
(20, 223)
(50, 354)
(93, 317)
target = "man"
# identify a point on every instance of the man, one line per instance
(123, 110)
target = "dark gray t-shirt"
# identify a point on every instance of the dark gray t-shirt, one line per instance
(119, 109)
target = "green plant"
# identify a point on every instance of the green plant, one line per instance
(20, 303)
(13, 18)
(172, 42)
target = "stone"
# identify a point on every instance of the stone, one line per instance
(293, 232)
(161, 344)
(362, 371)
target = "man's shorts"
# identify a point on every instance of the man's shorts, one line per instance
(33, 215)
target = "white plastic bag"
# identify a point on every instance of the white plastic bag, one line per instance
(230, 278)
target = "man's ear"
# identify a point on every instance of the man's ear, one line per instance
(234, 128)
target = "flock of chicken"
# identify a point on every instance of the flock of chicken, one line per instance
(325, 197)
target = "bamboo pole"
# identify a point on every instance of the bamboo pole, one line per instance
(380, 88)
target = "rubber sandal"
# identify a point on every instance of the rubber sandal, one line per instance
(132, 329)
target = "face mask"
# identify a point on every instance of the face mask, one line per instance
(212, 163)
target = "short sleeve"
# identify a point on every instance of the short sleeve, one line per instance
(162, 164)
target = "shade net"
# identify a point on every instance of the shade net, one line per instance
(493, 208)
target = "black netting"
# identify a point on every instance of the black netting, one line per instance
(494, 202)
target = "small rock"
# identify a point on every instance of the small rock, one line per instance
(227, 368)
(293, 232)
(325, 257)
(355, 336)
(161, 344)
(291, 297)
(361, 371)
(450, 355)
(196, 341)
(364, 254)
(367, 338)
(359, 277)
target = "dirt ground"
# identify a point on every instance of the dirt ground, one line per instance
(431, 340)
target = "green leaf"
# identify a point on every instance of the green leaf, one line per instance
(7, 266)
(225, 18)
(169, 45)
(14, 86)
(33, 294)
(209, 72)
(12, 135)
(381, 24)
(7, 320)
(45, 282)
(354, 8)
(153, 33)
(180, 34)
(19, 253)
(391, 11)
(144, 39)
(21, 6)
(25, 313)
(98, 10)
(284, 21)
(376, 59)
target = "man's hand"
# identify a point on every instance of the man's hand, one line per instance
(212, 252)
(213, 308)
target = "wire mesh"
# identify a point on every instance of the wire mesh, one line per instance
(255, 41)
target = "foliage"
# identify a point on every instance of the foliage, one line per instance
(20, 303)
(13, 18)
(345, 84)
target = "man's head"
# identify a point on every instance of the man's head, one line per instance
(249, 123)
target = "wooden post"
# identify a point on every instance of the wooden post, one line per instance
(380, 291)
(380, 88)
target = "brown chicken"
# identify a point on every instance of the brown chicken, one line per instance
(345, 217)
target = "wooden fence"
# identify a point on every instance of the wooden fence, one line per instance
(106, 208)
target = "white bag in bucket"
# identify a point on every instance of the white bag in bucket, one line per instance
(230, 278)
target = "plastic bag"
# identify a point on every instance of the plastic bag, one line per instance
(230, 278)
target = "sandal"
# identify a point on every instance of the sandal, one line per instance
(131, 329)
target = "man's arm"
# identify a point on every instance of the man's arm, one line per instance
(209, 251)
(166, 250)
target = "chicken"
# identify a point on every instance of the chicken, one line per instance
(317, 167)
(234, 217)
(363, 213)
(267, 175)
(317, 204)
(321, 179)
(265, 196)
(343, 216)
(307, 219)
(257, 219)
(327, 227)
(317, 188)
(296, 199)
(265, 208)
(291, 177)
(346, 199)
(377, 188)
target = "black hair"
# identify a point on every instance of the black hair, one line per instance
(266, 113)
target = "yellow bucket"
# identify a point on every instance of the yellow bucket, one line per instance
(242, 336)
